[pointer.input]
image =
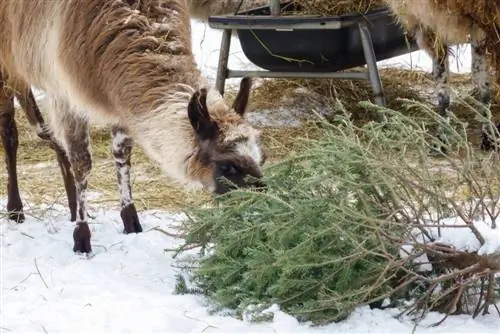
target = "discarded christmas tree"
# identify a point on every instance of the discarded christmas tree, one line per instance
(328, 234)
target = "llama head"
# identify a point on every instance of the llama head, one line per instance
(229, 149)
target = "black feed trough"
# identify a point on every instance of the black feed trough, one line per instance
(315, 50)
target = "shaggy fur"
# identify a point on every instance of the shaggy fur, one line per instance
(132, 66)
(438, 23)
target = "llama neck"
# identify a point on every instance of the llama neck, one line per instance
(167, 137)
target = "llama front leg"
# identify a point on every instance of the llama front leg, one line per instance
(10, 142)
(480, 76)
(72, 131)
(427, 40)
(34, 116)
(122, 149)
(80, 158)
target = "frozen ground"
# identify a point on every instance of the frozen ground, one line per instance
(127, 286)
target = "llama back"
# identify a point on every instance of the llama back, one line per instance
(103, 55)
(27, 49)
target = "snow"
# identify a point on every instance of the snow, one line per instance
(464, 240)
(455, 233)
(128, 283)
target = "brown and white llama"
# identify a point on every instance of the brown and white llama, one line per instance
(438, 23)
(103, 59)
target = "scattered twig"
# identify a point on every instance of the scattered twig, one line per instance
(488, 300)
(469, 223)
(181, 249)
(209, 326)
(114, 244)
(40, 274)
(452, 306)
(27, 235)
(157, 228)
(24, 280)
(477, 310)
(199, 320)
(102, 246)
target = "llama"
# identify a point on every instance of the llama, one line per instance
(438, 23)
(108, 61)
(9, 135)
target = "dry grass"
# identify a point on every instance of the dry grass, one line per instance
(41, 181)
(397, 83)
(336, 7)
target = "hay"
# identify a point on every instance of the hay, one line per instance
(334, 7)
(320, 94)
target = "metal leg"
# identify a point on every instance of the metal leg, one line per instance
(274, 5)
(371, 63)
(225, 44)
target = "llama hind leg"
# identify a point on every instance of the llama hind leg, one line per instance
(72, 131)
(122, 149)
(34, 116)
(426, 40)
(10, 142)
(480, 76)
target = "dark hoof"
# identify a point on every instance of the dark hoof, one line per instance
(17, 216)
(130, 219)
(81, 237)
(15, 212)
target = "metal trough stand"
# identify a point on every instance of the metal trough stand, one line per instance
(223, 72)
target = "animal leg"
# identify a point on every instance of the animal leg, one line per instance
(72, 131)
(28, 103)
(481, 80)
(10, 142)
(122, 149)
(426, 40)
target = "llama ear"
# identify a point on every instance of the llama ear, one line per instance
(241, 101)
(201, 121)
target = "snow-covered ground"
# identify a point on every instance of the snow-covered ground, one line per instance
(128, 284)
